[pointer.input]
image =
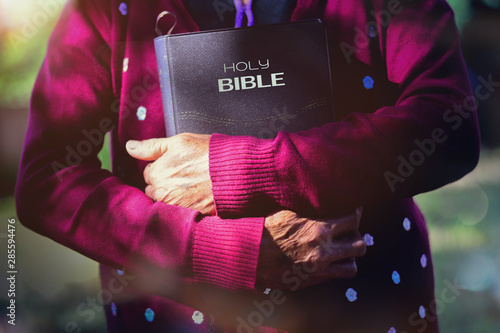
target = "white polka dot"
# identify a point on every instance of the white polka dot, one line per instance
(421, 312)
(351, 295)
(395, 277)
(113, 309)
(391, 330)
(123, 8)
(198, 317)
(423, 261)
(125, 65)
(368, 82)
(141, 113)
(149, 314)
(368, 240)
(407, 224)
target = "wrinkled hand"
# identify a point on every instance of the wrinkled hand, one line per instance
(298, 252)
(179, 174)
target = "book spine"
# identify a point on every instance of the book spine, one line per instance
(165, 85)
(329, 65)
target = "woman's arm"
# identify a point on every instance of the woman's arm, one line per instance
(63, 193)
(426, 140)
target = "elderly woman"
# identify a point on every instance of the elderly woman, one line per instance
(190, 230)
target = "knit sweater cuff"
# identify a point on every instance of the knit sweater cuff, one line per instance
(244, 175)
(226, 252)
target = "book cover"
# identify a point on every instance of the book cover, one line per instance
(248, 81)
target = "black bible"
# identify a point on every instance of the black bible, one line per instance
(247, 81)
(253, 81)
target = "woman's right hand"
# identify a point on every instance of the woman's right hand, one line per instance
(298, 252)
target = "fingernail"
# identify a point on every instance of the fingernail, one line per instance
(132, 144)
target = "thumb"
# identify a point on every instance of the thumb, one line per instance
(147, 150)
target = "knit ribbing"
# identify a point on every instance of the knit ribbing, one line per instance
(243, 174)
(226, 252)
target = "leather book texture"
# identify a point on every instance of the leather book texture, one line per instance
(247, 81)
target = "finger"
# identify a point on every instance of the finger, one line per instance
(358, 213)
(147, 150)
(149, 190)
(346, 225)
(349, 247)
(147, 173)
(345, 269)
(157, 194)
(315, 274)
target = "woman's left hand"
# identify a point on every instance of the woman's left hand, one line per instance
(179, 174)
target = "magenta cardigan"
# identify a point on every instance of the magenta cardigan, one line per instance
(399, 80)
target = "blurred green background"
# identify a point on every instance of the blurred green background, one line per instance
(463, 217)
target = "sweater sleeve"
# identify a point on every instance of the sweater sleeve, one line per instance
(427, 139)
(63, 193)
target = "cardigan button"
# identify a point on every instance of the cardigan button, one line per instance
(391, 330)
